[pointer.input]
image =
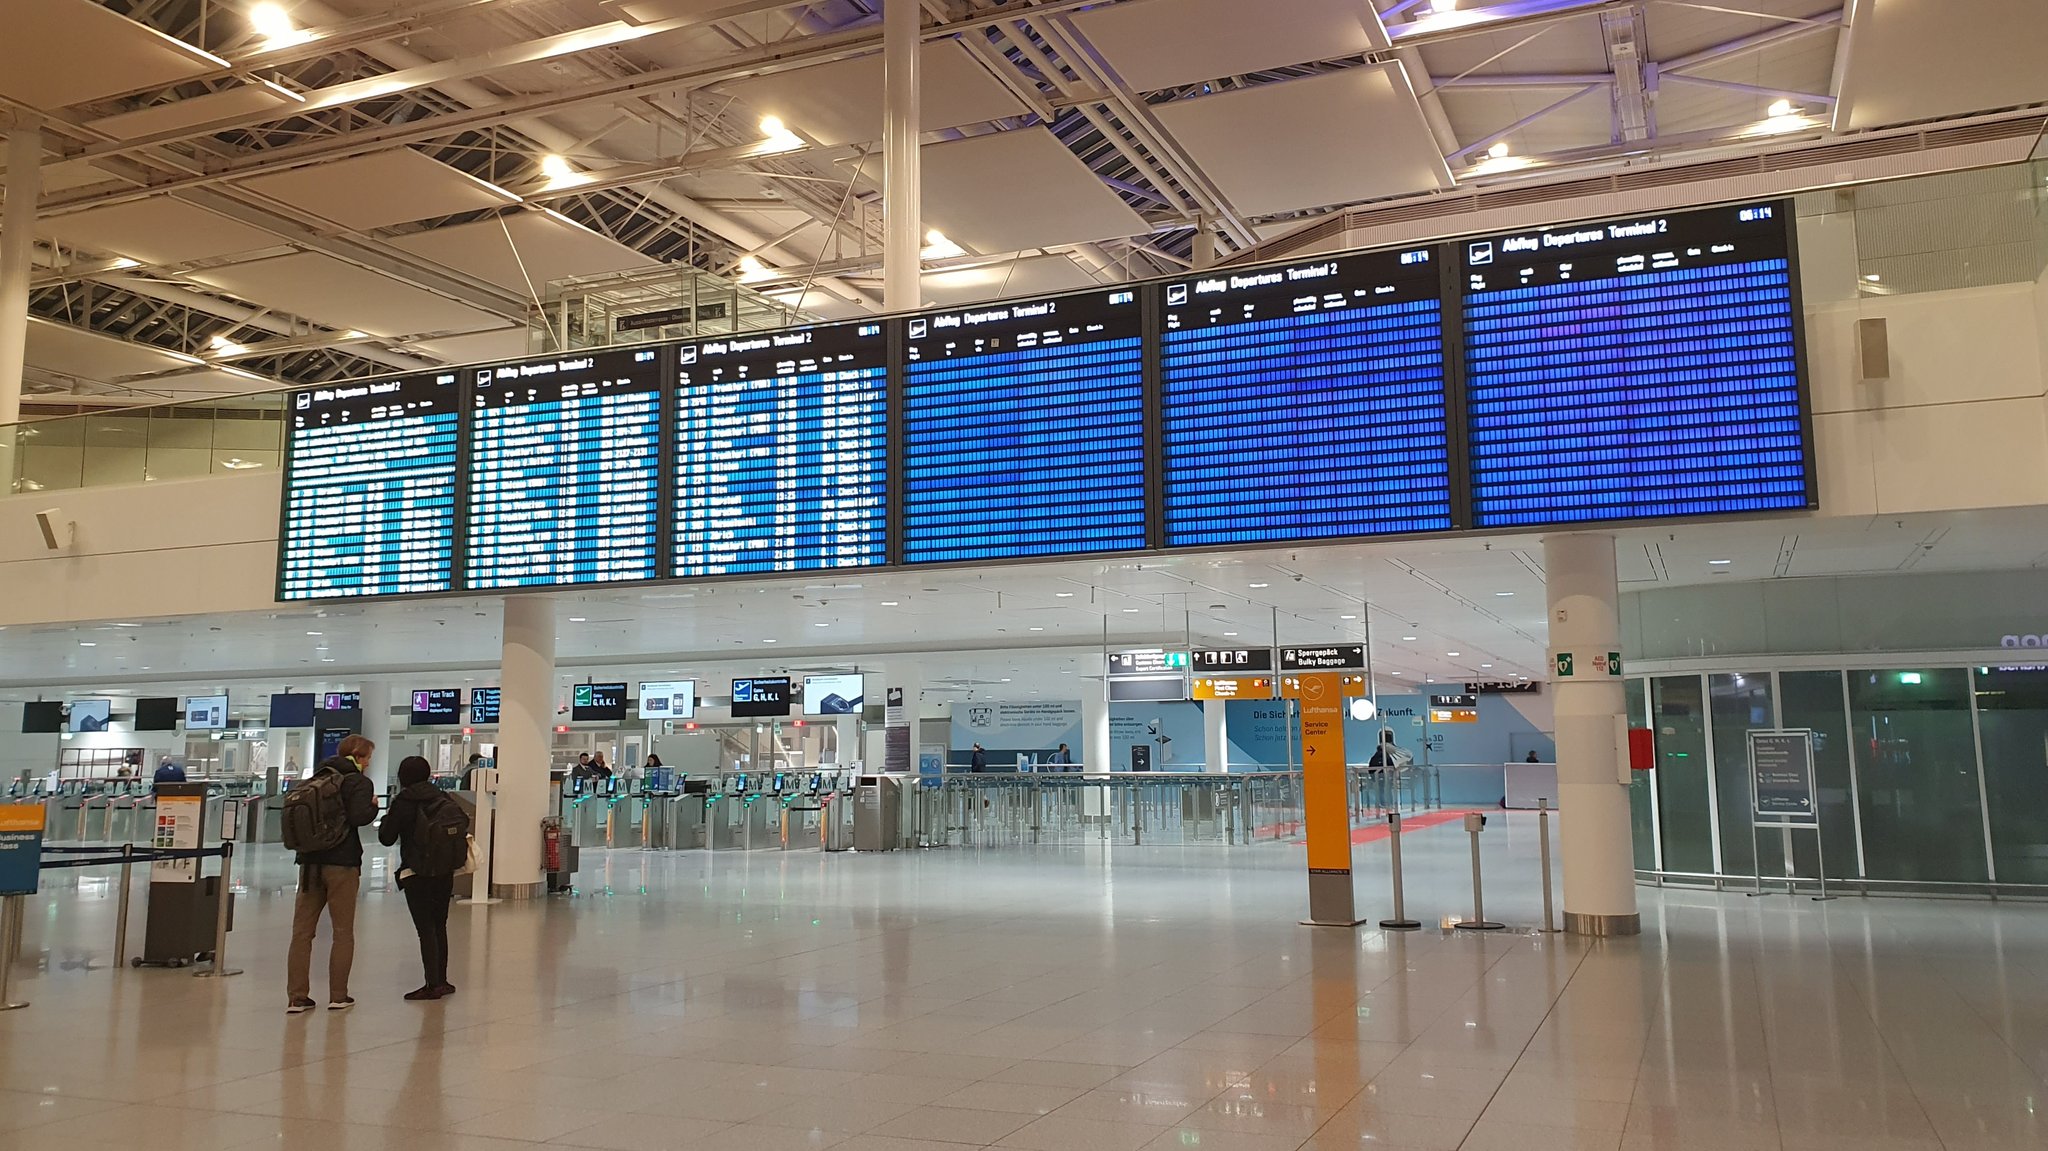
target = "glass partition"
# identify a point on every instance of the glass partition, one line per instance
(1813, 700)
(2012, 718)
(1923, 818)
(1683, 810)
(1739, 703)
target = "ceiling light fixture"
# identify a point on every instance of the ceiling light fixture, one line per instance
(1720, 563)
(1503, 594)
(1260, 585)
(891, 603)
(1452, 654)
(557, 168)
(87, 643)
(1064, 594)
(1130, 609)
(1229, 635)
(1038, 629)
(821, 623)
(770, 641)
(1347, 617)
(1499, 151)
(1409, 638)
(1779, 108)
(1874, 277)
(316, 633)
(577, 619)
(751, 268)
(938, 247)
(777, 134)
(274, 24)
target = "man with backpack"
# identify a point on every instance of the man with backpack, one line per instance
(432, 834)
(320, 819)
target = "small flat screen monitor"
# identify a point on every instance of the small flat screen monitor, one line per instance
(291, 709)
(156, 713)
(675, 699)
(91, 714)
(483, 706)
(832, 694)
(760, 696)
(206, 713)
(598, 703)
(436, 706)
(42, 717)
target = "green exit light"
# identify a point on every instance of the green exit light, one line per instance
(1909, 677)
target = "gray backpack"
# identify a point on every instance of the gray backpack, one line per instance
(314, 817)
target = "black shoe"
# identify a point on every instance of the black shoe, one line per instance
(299, 1006)
(446, 989)
(424, 993)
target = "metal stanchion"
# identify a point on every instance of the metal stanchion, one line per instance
(1400, 921)
(1543, 857)
(121, 915)
(11, 919)
(220, 966)
(1479, 922)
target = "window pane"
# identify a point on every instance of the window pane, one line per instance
(1641, 808)
(1680, 716)
(2013, 721)
(1813, 700)
(1741, 703)
(1917, 764)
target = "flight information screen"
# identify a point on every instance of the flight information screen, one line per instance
(1305, 401)
(782, 451)
(565, 471)
(1635, 368)
(1024, 429)
(369, 489)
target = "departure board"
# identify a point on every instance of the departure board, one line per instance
(565, 471)
(369, 489)
(782, 451)
(1636, 368)
(1024, 429)
(1305, 401)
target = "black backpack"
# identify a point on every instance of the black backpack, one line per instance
(315, 818)
(442, 831)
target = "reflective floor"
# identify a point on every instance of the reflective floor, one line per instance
(1056, 1001)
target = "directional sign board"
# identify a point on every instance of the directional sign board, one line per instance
(1781, 778)
(1339, 657)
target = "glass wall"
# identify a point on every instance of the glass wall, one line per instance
(1678, 711)
(2012, 720)
(1738, 703)
(1917, 766)
(1642, 801)
(1813, 700)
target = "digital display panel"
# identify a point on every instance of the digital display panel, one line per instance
(833, 694)
(782, 451)
(342, 701)
(673, 700)
(565, 471)
(436, 706)
(369, 489)
(291, 709)
(483, 705)
(1024, 429)
(597, 702)
(1635, 368)
(156, 713)
(1305, 401)
(206, 712)
(760, 696)
(90, 714)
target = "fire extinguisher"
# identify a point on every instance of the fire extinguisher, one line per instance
(551, 844)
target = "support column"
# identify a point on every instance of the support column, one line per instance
(526, 709)
(1091, 677)
(377, 729)
(17, 246)
(902, 163)
(1215, 735)
(1592, 799)
(902, 718)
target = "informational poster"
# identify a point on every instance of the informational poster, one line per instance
(178, 819)
(1781, 778)
(21, 848)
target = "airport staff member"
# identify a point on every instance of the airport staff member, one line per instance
(1062, 756)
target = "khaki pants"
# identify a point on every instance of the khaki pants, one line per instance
(333, 888)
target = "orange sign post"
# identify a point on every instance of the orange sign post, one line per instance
(1325, 787)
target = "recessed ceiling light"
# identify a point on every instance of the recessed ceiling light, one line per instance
(1064, 594)
(1720, 563)
(1485, 665)
(1229, 635)
(1347, 617)
(1038, 629)
(1006, 679)
(771, 641)
(577, 619)
(87, 643)
(1452, 654)
(1503, 593)
(316, 633)
(325, 659)
(890, 603)
(1394, 673)
(1130, 609)
(1409, 638)
(1259, 585)
(1874, 278)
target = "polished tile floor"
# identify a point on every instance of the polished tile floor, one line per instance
(1052, 1001)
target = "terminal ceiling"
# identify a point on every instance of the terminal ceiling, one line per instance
(232, 203)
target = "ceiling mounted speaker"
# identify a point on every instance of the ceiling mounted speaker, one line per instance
(1873, 349)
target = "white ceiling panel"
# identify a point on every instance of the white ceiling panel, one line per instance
(1163, 43)
(504, 344)
(380, 189)
(159, 230)
(1912, 60)
(343, 295)
(1007, 191)
(1477, 113)
(70, 351)
(542, 246)
(1337, 138)
(246, 100)
(1682, 29)
(841, 102)
(62, 52)
(1037, 276)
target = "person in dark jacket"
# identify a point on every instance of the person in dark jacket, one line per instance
(977, 760)
(330, 880)
(169, 771)
(426, 896)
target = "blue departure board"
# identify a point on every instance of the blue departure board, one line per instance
(1636, 368)
(782, 451)
(1305, 401)
(369, 489)
(565, 471)
(1024, 429)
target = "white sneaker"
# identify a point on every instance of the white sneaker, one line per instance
(341, 1004)
(299, 1006)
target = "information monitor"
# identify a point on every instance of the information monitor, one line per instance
(369, 488)
(1305, 401)
(565, 471)
(1024, 429)
(1636, 368)
(782, 451)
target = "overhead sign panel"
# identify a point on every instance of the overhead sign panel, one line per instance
(483, 705)
(1232, 659)
(1231, 687)
(1147, 662)
(675, 699)
(781, 460)
(1305, 401)
(1636, 368)
(597, 702)
(565, 471)
(760, 696)
(369, 488)
(1024, 429)
(1339, 657)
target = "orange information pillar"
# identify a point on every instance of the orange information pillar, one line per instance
(1325, 796)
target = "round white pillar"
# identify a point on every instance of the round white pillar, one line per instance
(376, 696)
(526, 710)
(1215, 735)
(1592, 799)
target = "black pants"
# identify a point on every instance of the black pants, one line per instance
(428, 897)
